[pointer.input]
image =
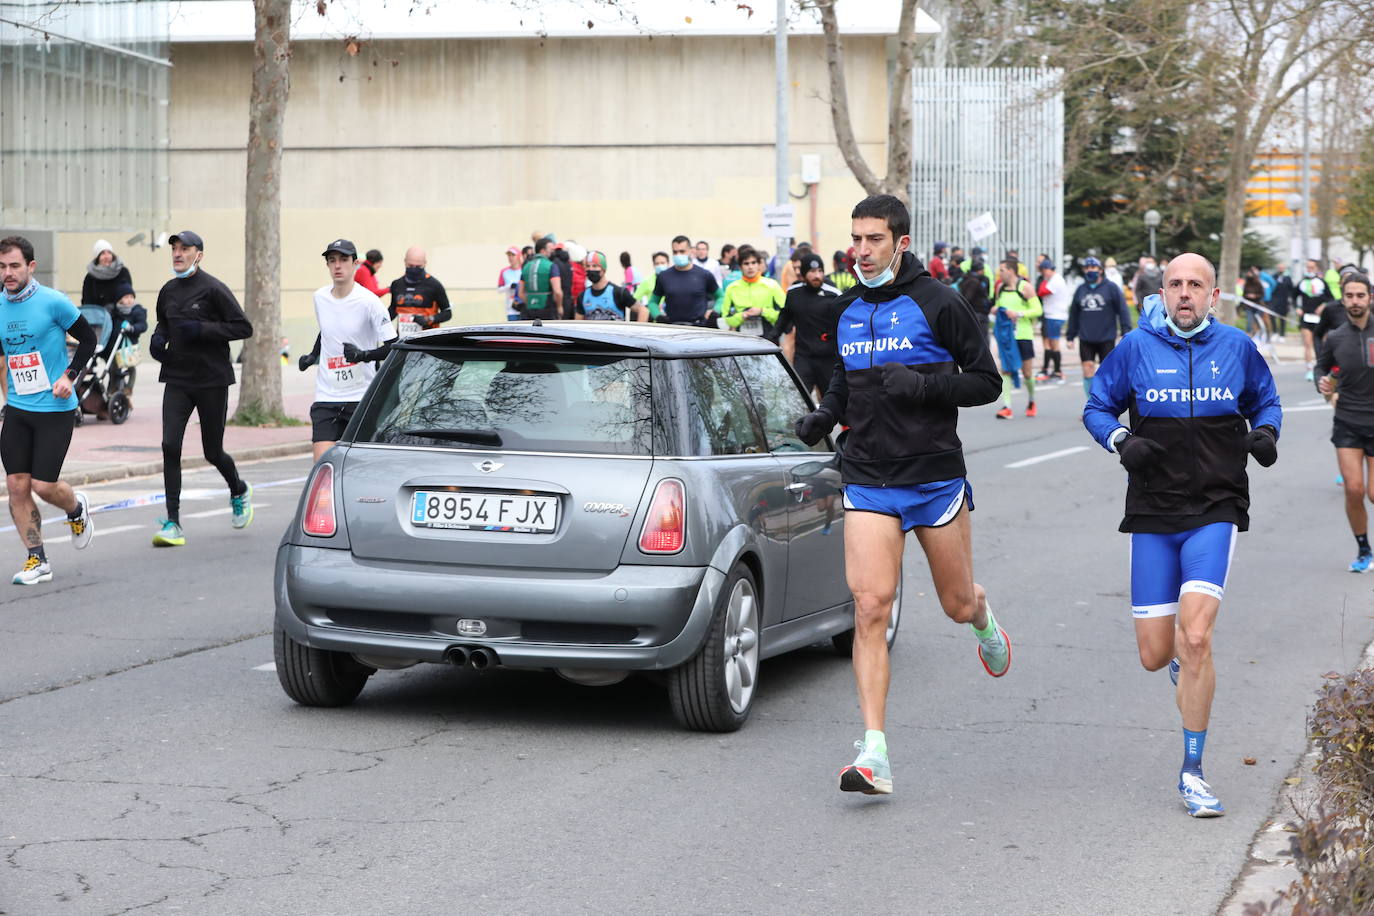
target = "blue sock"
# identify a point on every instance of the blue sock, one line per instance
(1087, 386)
(1193, 743)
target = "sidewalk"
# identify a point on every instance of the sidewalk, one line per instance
(102, 451)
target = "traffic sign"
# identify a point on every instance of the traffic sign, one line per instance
(780, 221)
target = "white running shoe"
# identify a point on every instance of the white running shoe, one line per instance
(1197, 796)
(34, 572)
(81, 526)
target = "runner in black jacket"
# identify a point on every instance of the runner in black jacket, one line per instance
(197, 316)
(911, 352)
(1200, 402)
(807, 324)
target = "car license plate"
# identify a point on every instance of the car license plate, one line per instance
(455, 509)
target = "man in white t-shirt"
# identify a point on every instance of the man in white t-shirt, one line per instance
(355, 334)
(1055, 297)
(509, 283)
(701, 257)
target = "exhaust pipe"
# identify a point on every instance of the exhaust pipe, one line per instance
(457, 657)
(482, 658)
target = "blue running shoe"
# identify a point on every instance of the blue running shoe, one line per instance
(1197, 796)
(1362, 563)
(1340, 480)
(1173, 671)
(870, 773)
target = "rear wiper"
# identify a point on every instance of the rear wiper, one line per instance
(474, 436)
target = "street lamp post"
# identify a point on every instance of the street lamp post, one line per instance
(1152, 220)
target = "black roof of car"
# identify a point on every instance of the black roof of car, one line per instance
(665, 341)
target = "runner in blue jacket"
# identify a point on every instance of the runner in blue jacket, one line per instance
(1200, 399)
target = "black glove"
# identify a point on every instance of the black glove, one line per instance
(157, 346)
(187, 330)
(352, 354)
(308, 359)
(903, 384)
(424, 321)
(1261, 443)
(813, 427)
(1140, 455)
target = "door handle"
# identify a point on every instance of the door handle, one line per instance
(796, 486)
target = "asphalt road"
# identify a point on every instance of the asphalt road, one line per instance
(149, 760)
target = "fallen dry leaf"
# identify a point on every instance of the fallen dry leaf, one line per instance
(1248, 761)
(1293, 780)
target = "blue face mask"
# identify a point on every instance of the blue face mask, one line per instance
(883, 278)
(681, 260)
(660, 268)
(183, 274)
(1092, 276)
(1202, 326)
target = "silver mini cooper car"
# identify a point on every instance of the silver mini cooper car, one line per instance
(591, 497)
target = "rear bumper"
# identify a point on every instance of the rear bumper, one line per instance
(634, 617)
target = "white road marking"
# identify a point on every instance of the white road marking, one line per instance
(1027, 462)
(157, 499)
(98, 532)
(225, 511)
(270, 666)
(1306, 409)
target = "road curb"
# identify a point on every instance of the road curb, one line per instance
(108, 472)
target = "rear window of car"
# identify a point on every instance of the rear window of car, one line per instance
(564, 403)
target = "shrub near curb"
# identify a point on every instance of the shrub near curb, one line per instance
(1333, 849)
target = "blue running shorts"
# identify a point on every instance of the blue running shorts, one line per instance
(926, 505)
(1052, 327)
(1165, 566)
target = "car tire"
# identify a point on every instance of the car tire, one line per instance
(713, 691)
(316, 677)
(844, 642)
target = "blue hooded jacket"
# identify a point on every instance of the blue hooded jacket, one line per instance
(1198, 397)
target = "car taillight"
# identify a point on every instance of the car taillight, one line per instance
(665, 526)
(319, 505)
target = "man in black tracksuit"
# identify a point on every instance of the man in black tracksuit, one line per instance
(197, 316)
(911, 353)
(1097, 309)
(807, 325)
(1345, 375)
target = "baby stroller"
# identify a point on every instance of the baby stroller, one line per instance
(108, 380)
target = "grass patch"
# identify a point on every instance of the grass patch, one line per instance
(255, 414)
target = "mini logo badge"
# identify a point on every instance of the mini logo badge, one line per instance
(487, 466)
(894, 319)
(1215, 369)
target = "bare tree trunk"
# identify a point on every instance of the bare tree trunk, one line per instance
(260, 399)
(899, 158)
(899, 154)
(1233, 215)
(839, 100)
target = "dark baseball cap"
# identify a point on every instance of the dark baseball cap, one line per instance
(343, 247)
(187, 237)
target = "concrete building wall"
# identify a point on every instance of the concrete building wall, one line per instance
(465, 147)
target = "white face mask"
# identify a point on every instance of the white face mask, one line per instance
(883, 278)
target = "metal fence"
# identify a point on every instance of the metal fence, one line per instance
(83, 114)
(989, 140)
